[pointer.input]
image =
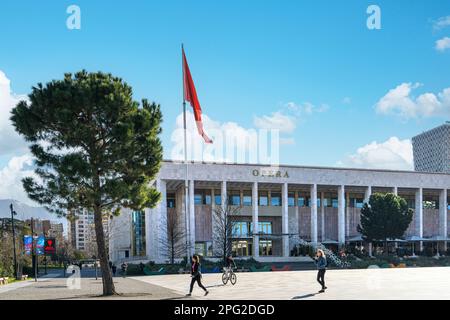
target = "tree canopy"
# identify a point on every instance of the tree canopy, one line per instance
(95, 148)
(386, 216)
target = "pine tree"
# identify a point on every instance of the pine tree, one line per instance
(95, 148)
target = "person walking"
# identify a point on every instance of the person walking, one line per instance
(321, 262)
(196, 275)
(124, 267)
(114, 269)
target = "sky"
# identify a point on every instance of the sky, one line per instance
(337, 92)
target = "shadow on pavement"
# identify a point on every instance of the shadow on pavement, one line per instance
(215, 286)
(309, 295)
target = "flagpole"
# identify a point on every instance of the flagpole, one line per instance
(186, 184)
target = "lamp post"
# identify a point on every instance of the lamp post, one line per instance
(13, 213)
(33, 250)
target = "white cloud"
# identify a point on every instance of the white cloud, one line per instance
(399, 101)
(11, 177)
(443, 44)
(441, 23)
(305, 108)
(392, 154)
(277, 120)
(10, 142)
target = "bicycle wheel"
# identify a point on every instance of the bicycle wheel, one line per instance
(224, 278)
(233, 278)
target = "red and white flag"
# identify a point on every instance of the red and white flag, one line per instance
(190, 95)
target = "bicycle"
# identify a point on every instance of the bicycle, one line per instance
(228, 274)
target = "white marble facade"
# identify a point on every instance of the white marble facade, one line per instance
(286, 179)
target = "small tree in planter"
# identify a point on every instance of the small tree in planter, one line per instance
(386, 216)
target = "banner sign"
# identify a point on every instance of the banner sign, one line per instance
(28, 244)
(50, 246)
(40, 244)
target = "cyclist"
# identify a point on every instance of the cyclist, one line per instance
(230, 264)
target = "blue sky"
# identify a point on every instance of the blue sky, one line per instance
(249, 59)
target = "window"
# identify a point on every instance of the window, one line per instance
(275, 199)
(217, 197)
(291, 199)
(247, 198)
(207, 199)
(356, 200)
(265, 227)
(241, 229)
(138, 233)
(241, 248)
(198, 198)
(303, 199)
(200, 249)
(430, 202)
(234, 198)
(170, 200)
(263, 198)
(265, 247)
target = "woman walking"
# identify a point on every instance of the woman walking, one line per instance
(196, 275)
(321, 262)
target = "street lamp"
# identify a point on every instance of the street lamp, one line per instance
(13, 213)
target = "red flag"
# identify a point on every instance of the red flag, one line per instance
(190, 95)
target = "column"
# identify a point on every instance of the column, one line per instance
(223, 195)
(255, 220)
(395, 190)
(322, 216)
(162, 221)
(418, 213)
(285, 219)
(347, 214)
(213, 220)
(314, 213)
(443, 216)
(191, 217)
(154, 219)
(367, 194)
(341, 215)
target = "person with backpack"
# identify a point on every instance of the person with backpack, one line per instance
(321, 262)
(196, 275)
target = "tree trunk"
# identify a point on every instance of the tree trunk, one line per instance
(108, 284)
(172, 253)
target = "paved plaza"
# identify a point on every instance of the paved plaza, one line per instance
(372, 284)
(55, 288)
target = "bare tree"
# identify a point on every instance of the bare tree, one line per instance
(224, 219)
(174, 244)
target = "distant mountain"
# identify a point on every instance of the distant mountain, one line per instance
(25, 212)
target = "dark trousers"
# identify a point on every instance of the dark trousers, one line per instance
(321, 277)
(197, 278)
